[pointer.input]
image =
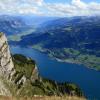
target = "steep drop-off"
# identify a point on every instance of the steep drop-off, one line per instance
(6, 64)
(19, 77)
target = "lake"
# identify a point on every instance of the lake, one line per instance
(87, 79)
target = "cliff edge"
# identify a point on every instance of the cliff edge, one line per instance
(6, 64)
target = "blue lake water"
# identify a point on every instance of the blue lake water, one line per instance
(87, 79)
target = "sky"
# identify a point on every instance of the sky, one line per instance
(60, 8)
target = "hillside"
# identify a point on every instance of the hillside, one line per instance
(75, 39)
(43, 98)
(19, 77)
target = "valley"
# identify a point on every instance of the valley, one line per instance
(73, 39)
(63, 49)
(49, 49)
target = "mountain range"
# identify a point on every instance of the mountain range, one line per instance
(68, 39)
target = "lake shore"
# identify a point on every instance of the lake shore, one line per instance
(68, 60)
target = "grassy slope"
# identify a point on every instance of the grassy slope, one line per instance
(43, 98)
(25, 66)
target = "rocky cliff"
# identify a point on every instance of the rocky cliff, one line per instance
(10, 76)
(6, 64)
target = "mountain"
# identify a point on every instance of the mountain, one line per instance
(19, 77)
(17, 26)
(74, 39)
(11, 24)
(35, 20)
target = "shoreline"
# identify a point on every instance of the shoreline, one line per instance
(64, 61)
(72, 62)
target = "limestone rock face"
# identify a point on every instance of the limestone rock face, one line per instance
(3, 89)
(8, 74)
(35, 74)
(6, 64)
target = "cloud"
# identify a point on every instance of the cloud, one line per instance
(36, 2)
(19, 6)
(40, 7)
(75, 8)
(39, 2)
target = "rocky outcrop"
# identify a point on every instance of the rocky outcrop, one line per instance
(3, 89)
(8, 74)
(6, 64)
(35, 74)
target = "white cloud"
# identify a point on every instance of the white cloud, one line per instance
(19, 6)
(39, 2)
(79, 4)
(36, 2)
(75, 8)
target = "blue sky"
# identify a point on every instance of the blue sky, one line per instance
(60, 8)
